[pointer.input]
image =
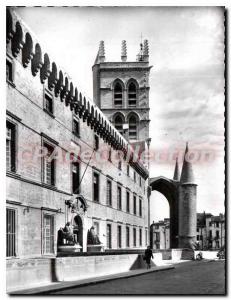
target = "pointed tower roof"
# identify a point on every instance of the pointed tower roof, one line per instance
(187, 172)
(176, 172)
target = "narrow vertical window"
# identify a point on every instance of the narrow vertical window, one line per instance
(75, 178)
(128, 170)
(48, 234)
(140, 207)
(10, 147)
(48, 165)
(134, 237)
(10, 233)
(132, 94)
(9, 70)
(109, 236)
(140, 237)
(146, 237)
(120, 165)
(127, 202)
(96, 142)
(109, 192)
(132, 128)
(75, 128)
(140, 181)
(134, 176)
(118, 95)
(119, 124)
(127, 237)
(119, 237)
(134, 205)
(48, 103)
(119, 197)
(95, 187)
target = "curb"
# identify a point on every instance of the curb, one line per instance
(63, 286)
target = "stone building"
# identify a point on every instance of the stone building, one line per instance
(210, 231)
(160, 234)
(57, 169)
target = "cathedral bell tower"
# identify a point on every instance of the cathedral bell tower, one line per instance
(121, 91)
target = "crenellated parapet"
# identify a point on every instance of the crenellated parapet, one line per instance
(24, 44)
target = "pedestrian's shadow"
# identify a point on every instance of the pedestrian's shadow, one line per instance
(139, 263)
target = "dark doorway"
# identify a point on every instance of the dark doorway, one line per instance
(78, 229)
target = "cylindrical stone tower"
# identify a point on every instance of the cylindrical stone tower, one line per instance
(187, 205)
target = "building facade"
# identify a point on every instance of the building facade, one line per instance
(65, 161)
(210, 231)
(160, 234)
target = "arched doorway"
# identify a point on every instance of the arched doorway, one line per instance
(78, 229)
(169, 189)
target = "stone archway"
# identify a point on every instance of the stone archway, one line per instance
(169, 188)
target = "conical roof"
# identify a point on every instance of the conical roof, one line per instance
(176, 172)
(187, 171)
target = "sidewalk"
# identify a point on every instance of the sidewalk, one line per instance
(58, 286)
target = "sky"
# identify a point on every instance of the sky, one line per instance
(186, 50)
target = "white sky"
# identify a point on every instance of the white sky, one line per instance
(186, 48)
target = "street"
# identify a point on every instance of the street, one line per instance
(193, 277)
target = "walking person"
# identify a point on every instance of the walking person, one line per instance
(147, 256)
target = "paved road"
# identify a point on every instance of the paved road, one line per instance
(203, 277)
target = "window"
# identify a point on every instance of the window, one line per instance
(95, 187)
(146, 237)
(119, 236)
(198, 237)
(48, 103)
(119, 197)
(75, 126)
(134, 176)
(134, 237)
(75, 177)
(109, 192)
(197, 229)
(118, 95)
(128, 170)
(120, 165)
(127, 237)
(48, 165)
(210, 223)
(9, 70)
(140, 237)
(217, 224)
(48, 234)
(132, 128)
(132, 94)
(127, 202)
(134, 205)
(140, 207)
(140, 181)
(119, 124)
(10, 147)
(96, 142)
(217, 234)
(210, 234)
(201, 237)
(10, 232)
(109, 236)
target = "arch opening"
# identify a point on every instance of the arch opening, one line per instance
(168, 189)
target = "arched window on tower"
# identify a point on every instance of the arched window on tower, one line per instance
(119, 124)
(118, 95)
(133, 125)
(132, 94)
